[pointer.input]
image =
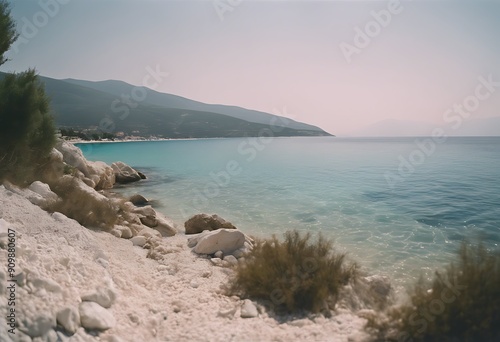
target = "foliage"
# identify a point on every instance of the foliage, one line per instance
(27, 132)
(294, 274)
(460, 304)
(7, 30)
(81, 204)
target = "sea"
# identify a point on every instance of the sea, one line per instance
(399, 207)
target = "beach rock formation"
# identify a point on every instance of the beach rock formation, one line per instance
(125, 174)
(201, 222)
(97, 175)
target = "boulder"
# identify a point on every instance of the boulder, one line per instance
(98, 175)
(201, 222)
(142, 175)
(138, 200)
(195, 238)
(95, 317)
(225, 240)
(73, 156)
(102, 174)
(125, 174)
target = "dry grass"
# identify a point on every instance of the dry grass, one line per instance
(83, 206)
(293, 275)
(460, 304)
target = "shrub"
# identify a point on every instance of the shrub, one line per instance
(293, 275)
(27, 132)
(7, 30)
(460, 304)
(83, 204)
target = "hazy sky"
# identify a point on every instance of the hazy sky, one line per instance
(268, 55)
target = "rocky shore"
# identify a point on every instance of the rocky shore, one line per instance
(140, 276)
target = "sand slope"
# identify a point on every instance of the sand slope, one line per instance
(175, 298)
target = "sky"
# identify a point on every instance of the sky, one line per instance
(341, 65)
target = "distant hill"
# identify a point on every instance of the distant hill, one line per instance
(405, 128)
(84, 105)
(117, 88)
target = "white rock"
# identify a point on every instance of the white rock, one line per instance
(195, 238)
(126, 233)
(93, 316)
(165, 226)
(227, 313)
(145, 211)
(116, 232)
(148, 232)
(69, 319)
(248, 309)
(138, 241)
(73, 156)
(104, 296)
(219, 254)
(31, 196)
(225, 240)
(231, 260)
(239, 253)
(105, 175)
(43, 190)
(216, 261)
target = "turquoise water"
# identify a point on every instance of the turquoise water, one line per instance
(395, 222)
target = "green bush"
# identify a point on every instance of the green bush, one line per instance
(460, 304)
(7, 30)
(293, 275)
(27, 132)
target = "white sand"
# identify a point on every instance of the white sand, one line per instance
(177, 298)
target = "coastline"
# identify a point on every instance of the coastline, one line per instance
(147, 292)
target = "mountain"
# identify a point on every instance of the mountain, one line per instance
(119, 88)
(406, 128)
(78, 106)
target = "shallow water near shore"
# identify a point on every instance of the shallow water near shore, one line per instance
(398, 206)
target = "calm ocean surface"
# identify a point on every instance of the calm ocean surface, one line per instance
(396, 208)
